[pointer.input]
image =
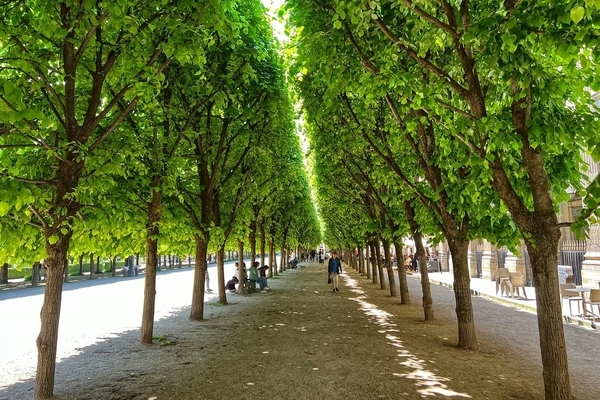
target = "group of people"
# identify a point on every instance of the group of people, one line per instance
(411, 262)
(256, 274)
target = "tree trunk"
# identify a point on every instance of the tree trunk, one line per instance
(361, 261)
(242, 274)
(66, 274)
(379, 265)
(221, 275)
(197, 308)
(35, 273)
(272, 259)
(252, 242)
(114, 266)
(262, 245)
(425, 285)
(374, 266)
(46, 342)
(4, 274)
(152, 232)
(390, 268)
(80, 265)
(91, 266)
(404, 294)
(415, 229)
(98, 270)
(543, 256)
(368, 260)
(462, 293)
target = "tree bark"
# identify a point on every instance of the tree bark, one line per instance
(46, 342)
(221, 275)
(152, 232)
(91, 266)
(542, 248)
(242, 274)
(379, 264)
(404, 293)
(390, 268)
(114, 266)
(35, 273)
(98, 270)
(66, 274)
(262, 245)
(368, 260)
(374, 264)
(462, 293)
(252, 242)
(4, 274)
(361, 261)
(197, 307)
(272, 261)
(80, 265)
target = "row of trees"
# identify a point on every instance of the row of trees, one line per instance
(145, 125)
(457, 120)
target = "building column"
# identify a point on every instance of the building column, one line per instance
(473, 258)
(514, 263)
(489, 261)
(590, 269)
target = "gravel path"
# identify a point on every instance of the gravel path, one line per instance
(300, 341)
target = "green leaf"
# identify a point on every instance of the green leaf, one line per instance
(577, 14)
(4, 207)
(53, 239)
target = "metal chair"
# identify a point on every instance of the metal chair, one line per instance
(571, 296)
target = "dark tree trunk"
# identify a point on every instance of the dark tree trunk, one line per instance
(197, 307)
(113, 267)
(543, 256)
(379, 265)
(80, 265)
(252, 242)
(35, 274)
(221, 275)
(152, 232)
(272, 264)
(404, 294)
(46, 342)
(459, 249)
(91, 266)
(4, 274)
(368, 260)
(374, 264)
(390, 268)
(262, 245)
(98, 270)
(361, 261)
(66, 275)
(242, 274)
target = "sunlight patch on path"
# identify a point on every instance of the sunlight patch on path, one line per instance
(429, 383)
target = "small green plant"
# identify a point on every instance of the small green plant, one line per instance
(163, 340)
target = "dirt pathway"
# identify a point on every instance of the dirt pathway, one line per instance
(301, 341)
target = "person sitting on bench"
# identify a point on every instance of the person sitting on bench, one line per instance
(255, 278)
(262, 275)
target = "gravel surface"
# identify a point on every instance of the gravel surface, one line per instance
(297, 341)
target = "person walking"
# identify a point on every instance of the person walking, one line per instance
(335, 268)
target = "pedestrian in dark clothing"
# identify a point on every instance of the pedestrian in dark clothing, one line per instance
(335, 268)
